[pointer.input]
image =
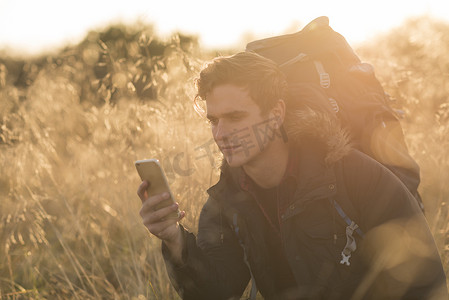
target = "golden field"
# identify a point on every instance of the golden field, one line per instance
(73, 123)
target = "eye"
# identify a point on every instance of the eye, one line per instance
(212, 121)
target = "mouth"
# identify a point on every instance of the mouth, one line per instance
(228, 148)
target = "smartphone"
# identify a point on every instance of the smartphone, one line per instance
(151, 170)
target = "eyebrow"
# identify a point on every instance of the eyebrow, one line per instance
(234, 113)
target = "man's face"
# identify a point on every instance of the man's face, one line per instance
(236, 123)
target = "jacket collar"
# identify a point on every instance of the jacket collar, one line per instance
(246, 183)
(315, 179)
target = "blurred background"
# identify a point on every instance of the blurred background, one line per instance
(31, 27)
(88, 87)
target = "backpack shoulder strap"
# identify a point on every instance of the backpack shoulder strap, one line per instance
(345, 217)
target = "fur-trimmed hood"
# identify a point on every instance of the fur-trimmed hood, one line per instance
(311, 115)
(323, 127)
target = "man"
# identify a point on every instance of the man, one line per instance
(291, 196)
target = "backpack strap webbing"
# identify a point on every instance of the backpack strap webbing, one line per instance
(345, 217)
(351, 244)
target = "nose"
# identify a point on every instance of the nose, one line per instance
(219, 131)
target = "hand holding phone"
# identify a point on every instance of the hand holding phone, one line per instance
(160, 214)
(151, 171)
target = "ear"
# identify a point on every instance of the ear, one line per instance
(277, 113)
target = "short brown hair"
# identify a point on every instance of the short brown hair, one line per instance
(261, 76)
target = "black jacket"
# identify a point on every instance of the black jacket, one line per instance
(396, 259)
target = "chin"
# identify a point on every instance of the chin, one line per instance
(234, 164)
(238, 160)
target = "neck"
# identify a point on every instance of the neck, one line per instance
(269, 168)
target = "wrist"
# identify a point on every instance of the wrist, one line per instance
(175, 247)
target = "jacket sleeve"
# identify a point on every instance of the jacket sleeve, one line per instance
(398, 246)
(213, 265)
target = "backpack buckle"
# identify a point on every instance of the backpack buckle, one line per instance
(351, 245)
(334, 105)
(325, 79)
(345, 259)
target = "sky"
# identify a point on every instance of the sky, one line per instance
(34, 26)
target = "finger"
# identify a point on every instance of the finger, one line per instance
(165, 233)
(142, 190)
(158, 215)
(149, 204)
(162, 232)
(158, 228)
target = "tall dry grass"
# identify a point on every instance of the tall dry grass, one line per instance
(71, 126)
(69, 211)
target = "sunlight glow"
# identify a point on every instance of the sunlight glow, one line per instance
(32, 26)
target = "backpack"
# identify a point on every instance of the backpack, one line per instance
(319, 55)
